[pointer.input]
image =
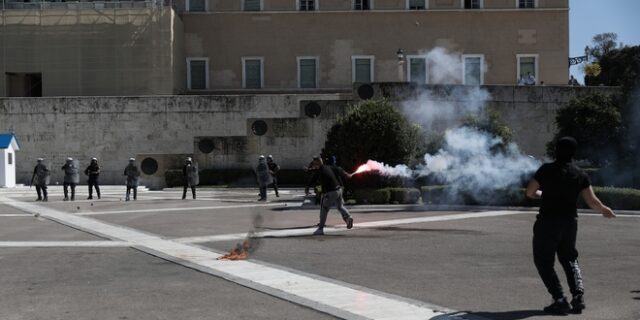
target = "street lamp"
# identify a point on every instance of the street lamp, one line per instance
(400, 54)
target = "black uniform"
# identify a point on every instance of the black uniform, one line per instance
(93, 171)
(133, 175)
(190, 175)
(555, 229)
(41, 178)
(274, 168)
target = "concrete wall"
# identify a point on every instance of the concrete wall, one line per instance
(113, 129)
(84, 52)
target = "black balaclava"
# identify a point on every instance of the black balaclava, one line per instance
(566, 149)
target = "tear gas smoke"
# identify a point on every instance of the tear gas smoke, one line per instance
(470, 160)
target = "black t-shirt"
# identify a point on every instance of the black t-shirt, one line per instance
(561, 184)
(329, 177)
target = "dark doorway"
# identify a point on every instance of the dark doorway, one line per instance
(24, 84)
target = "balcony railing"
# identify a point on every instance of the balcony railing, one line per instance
(78, 5)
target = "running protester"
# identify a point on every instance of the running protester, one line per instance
(558, 185)
(329, 177)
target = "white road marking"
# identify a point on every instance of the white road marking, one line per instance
(15, 215)
(339, 299)
(363, 225)
(62, 244)
(179, 209)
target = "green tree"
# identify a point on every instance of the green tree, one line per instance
(602, 44)
(373, 129)
(491, 123)
(595, 121)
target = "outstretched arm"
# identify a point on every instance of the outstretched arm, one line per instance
(533, 189)
(594, 203)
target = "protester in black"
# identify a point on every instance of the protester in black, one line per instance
(558, 185)
(331, 192)
(93, 171)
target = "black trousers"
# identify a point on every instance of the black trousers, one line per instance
(275, 184)
(93, 183)
(42, 191)
(135, 192)
(184, 192)
(551, 237)
(66, 186)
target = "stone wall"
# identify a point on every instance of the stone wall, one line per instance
(221, 132)
(113, 129)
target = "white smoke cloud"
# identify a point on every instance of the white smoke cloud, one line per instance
(470, 160)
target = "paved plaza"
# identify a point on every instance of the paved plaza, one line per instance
(156, 258)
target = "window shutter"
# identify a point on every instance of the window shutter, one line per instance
(251, 5)
(418, 74)
(196, 5)
(253, 75)
(308, 73)
(198, 74)
(363, 70)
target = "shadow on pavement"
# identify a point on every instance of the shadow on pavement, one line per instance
(453, 231)
(510, 315)
(637, 292)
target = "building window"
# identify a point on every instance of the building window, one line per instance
(472, 4)
(416, 4)
(526, 4)
(196, 5)
(9, 158)
(527, 69)
(362, 68)
(417, 69)
(253, 72)
(198, 73)
(307, 5)
(362, 4)
(252, 5)
(307, 72)
(472, 69)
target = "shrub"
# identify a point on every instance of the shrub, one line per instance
(372, 196)
(374, 130)
(595, 121)
(373, 180)
(404, 195)
(501, 197)
(616, 198)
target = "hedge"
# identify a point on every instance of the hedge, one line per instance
(372, 196)
(616, 198)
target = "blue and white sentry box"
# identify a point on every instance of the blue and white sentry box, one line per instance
(8, 147)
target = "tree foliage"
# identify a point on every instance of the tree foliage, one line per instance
(602, 44)
(491, 123)
(373, 129)
(595, 121)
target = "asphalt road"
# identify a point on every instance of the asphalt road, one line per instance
(155, 258)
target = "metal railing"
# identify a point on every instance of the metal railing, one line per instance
(78, 5)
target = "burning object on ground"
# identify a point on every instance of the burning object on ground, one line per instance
(248, 246)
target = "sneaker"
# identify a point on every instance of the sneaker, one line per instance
(318, 232)
(558, 307)
(45, 199)
(262, 199)
(98, 197)
(90, 198)
(39, 199)
(349, 223)
(278, 195)
(65, 199)
(577, 303)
